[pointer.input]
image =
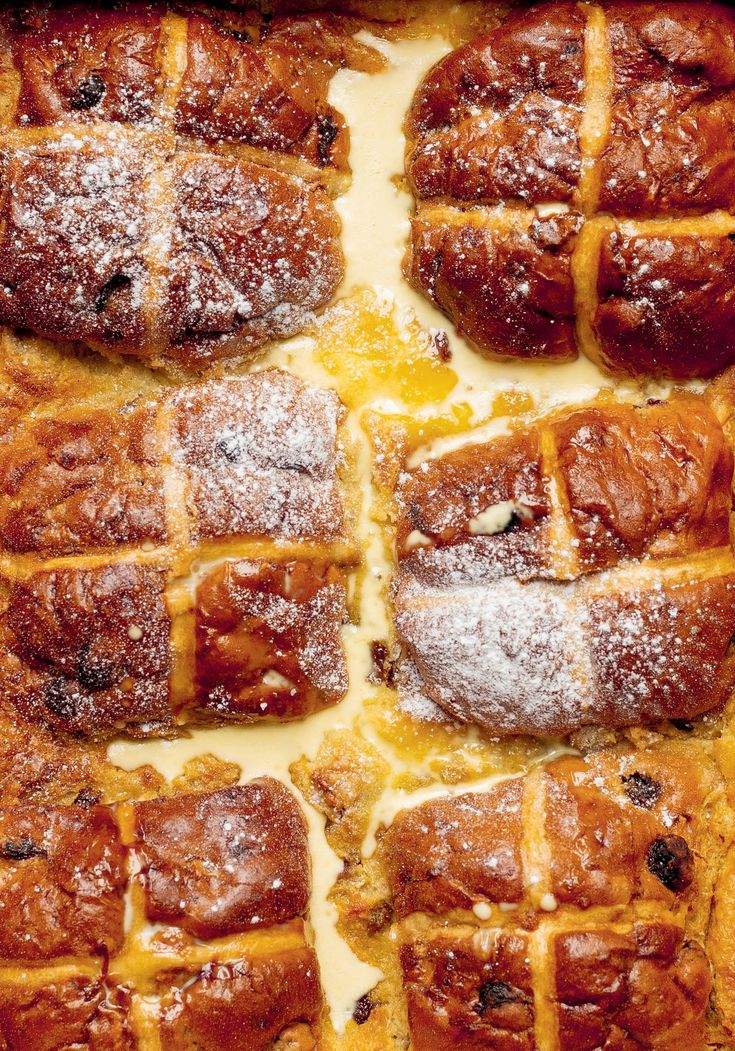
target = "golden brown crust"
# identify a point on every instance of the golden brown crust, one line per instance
(642, 989)
(268, 639)
(261, 457)
(438, 858)
(442, 499)
(499, 118)
(81, 882)
(90, 481)
(79, 253)
(101, 640)
(231, 284)
(671, 145)
(489, 632)
(224, 862)
(469, 991)
(270, 97)
(246, 1004)
(591, 951)
(508, 288)
(116, 233)
(62, 876)
(85, 66)
(664, 304)
(650, 481)
(618, 828)
(76, 1012)
(613, 109)
(72, 242)
(623, 828)
(88, 650)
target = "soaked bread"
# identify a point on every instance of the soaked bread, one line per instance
(109, 638)
(230, 865)
(166, 180)
(565, 903)
(579, 572)
(573, 173)
(290, 761)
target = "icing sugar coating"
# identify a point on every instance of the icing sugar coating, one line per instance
(603, 595)
(261, 457)
(111, 508)
(141, 211)
(268, 638)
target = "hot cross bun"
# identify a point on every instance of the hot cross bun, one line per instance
(564, 909)
(101, 630)
(165, 180)
(226, 877)
(573, 173)
(578, 572)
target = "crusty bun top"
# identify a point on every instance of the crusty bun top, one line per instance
(142, 210)
(574, 171)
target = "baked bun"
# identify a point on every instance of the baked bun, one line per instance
(110, 636)
(221, 865)
(566, 903)
(575, 573)
(142, 209)
(574, 171)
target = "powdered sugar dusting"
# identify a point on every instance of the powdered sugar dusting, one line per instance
(503, 654)
(261, 456)
(498, 632)
(116, 233)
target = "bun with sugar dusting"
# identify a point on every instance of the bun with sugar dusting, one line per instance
(471, 725)
(576, 573)
(165, 181)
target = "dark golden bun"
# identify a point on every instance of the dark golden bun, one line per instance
(99, 642)
(141, 217)
(576, 573)
(585, 878)
(221, 865)
(620, 116)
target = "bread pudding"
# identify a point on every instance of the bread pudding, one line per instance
(367, 582)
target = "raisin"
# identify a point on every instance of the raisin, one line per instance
(116, 282)
(21, 849)
(363, 1008)
(89, 93)
(327, 132)
(230, 448)
(86, 798)
(494, 994)
(670, 861)
(382, 670)
(56, 698)
(95, 672)
(641, 789)
(683, 725)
